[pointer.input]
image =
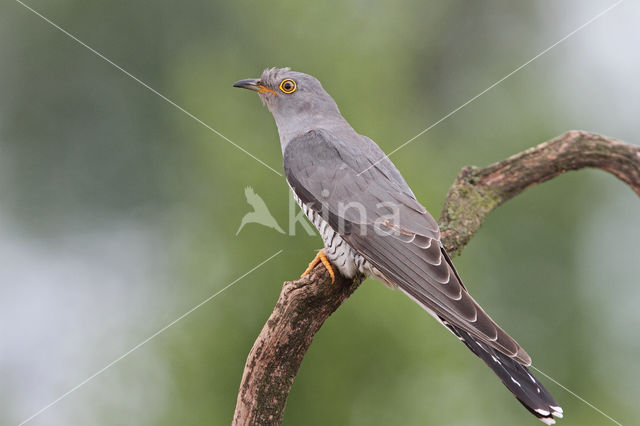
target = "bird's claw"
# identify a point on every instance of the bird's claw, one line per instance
(321, 257)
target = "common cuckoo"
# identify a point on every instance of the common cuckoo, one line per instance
(372, 224)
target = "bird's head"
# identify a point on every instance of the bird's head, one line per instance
(295, 99)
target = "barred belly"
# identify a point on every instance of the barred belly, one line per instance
(337, 250)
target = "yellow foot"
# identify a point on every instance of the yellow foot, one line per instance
(321, 257)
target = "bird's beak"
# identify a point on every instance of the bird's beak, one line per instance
(253, 84)
(248, 83)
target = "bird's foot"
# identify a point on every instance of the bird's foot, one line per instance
(321, 257)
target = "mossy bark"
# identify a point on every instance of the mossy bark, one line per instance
(477, 191)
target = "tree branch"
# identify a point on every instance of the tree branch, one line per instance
(477, 191)
(305, 304)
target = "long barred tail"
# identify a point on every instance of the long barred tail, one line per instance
(516, 377)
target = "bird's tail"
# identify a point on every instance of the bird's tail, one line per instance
(515, 376)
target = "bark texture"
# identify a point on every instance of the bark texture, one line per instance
(477, 191)
(305, 304)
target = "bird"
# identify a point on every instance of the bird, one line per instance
(372, 224)
(260, 213)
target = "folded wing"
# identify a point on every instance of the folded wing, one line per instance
(377, 215)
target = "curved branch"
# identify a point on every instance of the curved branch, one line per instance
(277, 353)
(477, 191)
(305, 304)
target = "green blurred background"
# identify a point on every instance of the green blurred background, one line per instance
(118, 212)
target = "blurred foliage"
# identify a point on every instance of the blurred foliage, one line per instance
(83, 147)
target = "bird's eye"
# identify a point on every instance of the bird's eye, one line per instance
(288, 86)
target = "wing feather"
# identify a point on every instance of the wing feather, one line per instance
(327, 174)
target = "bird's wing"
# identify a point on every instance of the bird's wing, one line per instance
(328, 175)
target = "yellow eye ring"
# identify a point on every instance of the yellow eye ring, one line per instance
(288, 86)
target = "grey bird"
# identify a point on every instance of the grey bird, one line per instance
(371, 223)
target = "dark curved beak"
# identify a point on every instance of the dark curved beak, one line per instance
(249, 83)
